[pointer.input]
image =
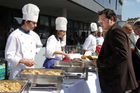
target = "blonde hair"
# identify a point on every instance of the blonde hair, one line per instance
(128, 26)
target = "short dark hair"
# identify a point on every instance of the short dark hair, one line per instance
(109, 13)
(23, 21)
(137, 23)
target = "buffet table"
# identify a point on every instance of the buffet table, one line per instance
(75, 86)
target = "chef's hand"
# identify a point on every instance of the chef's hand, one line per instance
(94, 63)
(67, 56)
(28, 63)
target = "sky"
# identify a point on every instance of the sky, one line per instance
(130, 9)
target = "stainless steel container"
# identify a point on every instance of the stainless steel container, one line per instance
(70, 66)
(25, 88)
(76, 67)
(42, 80)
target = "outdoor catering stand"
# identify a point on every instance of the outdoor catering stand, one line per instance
(77, 77)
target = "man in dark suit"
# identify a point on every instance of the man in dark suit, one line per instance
(115, 69)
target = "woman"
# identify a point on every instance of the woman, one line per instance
(135, 58)
(136, 28)
(53, 51)
(100, 40)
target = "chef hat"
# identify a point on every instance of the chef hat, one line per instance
(30, 12)
(100, 29)
(93, 27)
(61, 23)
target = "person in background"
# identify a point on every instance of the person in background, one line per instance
(23, 43)
(114, 63)
(131, 35)
(136, 28)
(53, 50)
(89, 45)
(100, 40)
(136, 59)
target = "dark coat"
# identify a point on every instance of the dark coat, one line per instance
(114, 63)
(136, 61)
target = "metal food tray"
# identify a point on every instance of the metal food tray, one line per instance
(24, 89)
(43, 79)
(90, 66)
(88, 63)
(70, 66)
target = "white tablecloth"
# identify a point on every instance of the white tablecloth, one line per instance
(77, 86)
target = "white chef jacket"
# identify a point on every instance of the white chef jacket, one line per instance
(90, 44)
(100, 40)
(21, 45)
(53, 44)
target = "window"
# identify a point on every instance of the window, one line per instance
(53, 22)
(116, 4)
(44, 21)
(110, 1)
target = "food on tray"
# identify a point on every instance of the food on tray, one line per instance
(94, 57)
(42, 72)
(77, 59)
(88, 58)
(83, 57)
(52, 73)
(11, 85)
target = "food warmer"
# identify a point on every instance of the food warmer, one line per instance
(43, 78)
(14, 86)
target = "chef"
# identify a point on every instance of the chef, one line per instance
(100, 39)
(89, 45)
(53, 50)
(23, 43)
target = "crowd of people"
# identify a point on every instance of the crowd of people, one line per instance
(118, 68)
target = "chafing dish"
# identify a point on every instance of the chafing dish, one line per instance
(73, 66)
(70, 66)
(88, 61)
(39, 78)
(14, 86)
(80, 66)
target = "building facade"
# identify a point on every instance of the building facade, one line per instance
(80, 13)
